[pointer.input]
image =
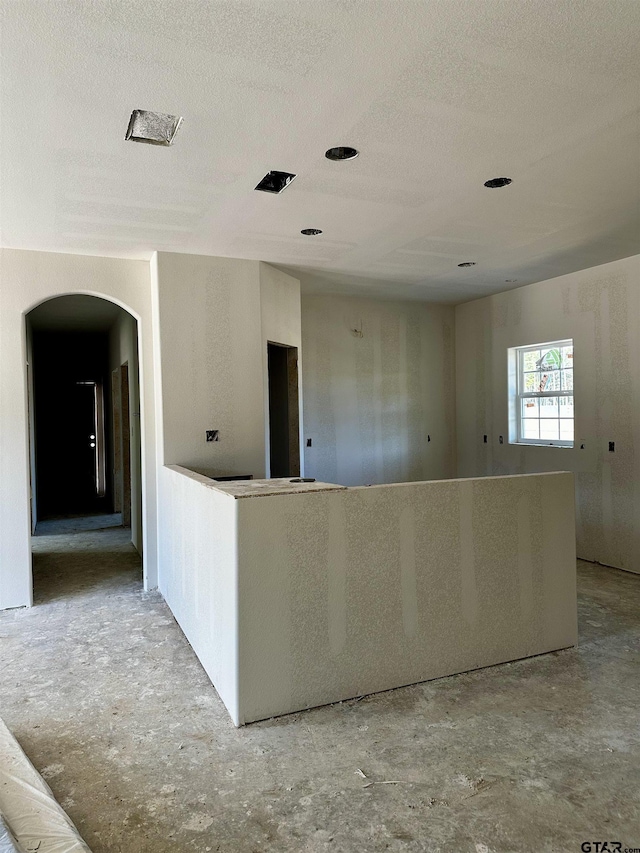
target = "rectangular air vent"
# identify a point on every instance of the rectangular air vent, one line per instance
(275, 182)
(152, 128)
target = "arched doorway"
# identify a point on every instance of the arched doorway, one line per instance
(84, 419)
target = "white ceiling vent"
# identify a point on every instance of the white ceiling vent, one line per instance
(152, 128)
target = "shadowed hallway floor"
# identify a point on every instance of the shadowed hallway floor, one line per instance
(108, 700)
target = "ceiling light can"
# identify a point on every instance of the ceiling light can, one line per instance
(275, 182)
(311, 232)
(341, 152)
(467, 264)
(496, 183)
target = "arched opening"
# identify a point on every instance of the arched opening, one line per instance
(85, 443)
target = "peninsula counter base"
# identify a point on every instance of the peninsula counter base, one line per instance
(298, 597)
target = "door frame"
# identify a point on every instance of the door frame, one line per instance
(293, 409)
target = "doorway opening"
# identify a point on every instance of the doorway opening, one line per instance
(284, 416)
(84, 422)
(69, 424)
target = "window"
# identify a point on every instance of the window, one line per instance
(543, 398)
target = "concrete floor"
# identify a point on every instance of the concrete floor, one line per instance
(109, 702)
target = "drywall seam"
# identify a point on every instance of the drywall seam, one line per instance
(605, 422)
(408, 571)
(157, 361)
(468, 590)
(337, 579)
(403, 371)
(525, 558)
(375, 325)
(156, 343)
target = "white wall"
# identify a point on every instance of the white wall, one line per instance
(371, 402)
(123, 347)
(31, 426)
(352, 591)
(26, 280)
(211, 362)
(600, 309)
(281, 324)
(198, 573)
(203, 325)
(402, 583)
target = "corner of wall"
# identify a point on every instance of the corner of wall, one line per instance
(281, 322)
(157, 362)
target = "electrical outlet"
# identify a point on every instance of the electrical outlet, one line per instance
(213, 435)
(501, 439)
(428, 438)
(486, 438)
(612, 447)
(308, 442)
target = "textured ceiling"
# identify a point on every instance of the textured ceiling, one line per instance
(438, 95)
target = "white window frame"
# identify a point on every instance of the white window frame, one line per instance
(520, 395)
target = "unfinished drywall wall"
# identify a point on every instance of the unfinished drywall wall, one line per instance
(600, 309)
(402, 583)
(379, 397)
(31, 426)
(27, 279)
(198, 573)
(281, 324)
(211, 362)
(123, 348)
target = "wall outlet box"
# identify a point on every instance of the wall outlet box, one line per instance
(213, 435)
(308, 442)
(612, 447)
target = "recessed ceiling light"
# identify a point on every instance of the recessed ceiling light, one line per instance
(496, 183)
(510, 280)
(275, 182)
(342, 152)
(311, 232)
(467, 264)
(152, 128)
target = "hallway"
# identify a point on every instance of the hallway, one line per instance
(107, 699)
(87, 554)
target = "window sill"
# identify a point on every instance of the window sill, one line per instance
(542, 444)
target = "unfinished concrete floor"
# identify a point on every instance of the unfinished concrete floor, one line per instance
(109, 702)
